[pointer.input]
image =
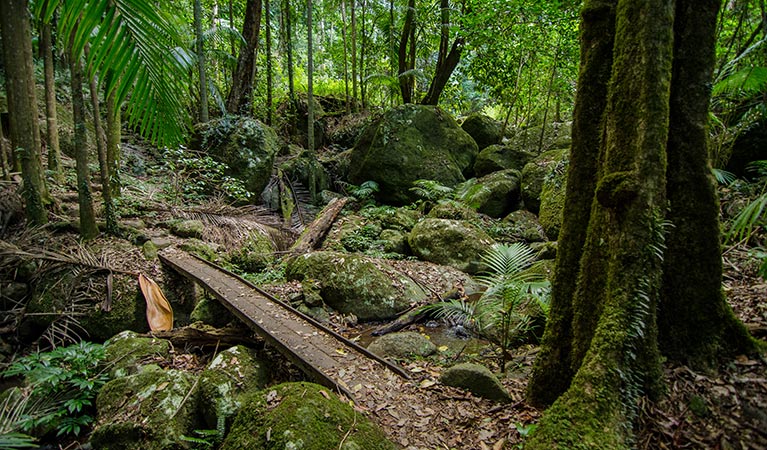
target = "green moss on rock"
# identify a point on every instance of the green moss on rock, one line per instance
(534, 175)
(211, 312)
(403, 345)
(501, 157)
(307, 170)
(500, 193)
(483, 129)
(452, 210)
(451, 243)
(553, 200)
(255, 253)
(302, 416)
(126, 352)
(476, 379)
(525, 225)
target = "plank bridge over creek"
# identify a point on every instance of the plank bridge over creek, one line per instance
(324, 355)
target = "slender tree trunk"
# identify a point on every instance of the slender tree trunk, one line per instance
(241, 93)
(54, 152)
(101, 144)
(268, 26)
(407, 82)
(201, 61)
(346, 55)
(363, 72)
(446, 61)
(354, 53)
(289, 48)
(310, 77)
(88, 227)
(4, 163)
(390, 51)
(113, 141)
(697, 326)
(16, 35)
(548, 97)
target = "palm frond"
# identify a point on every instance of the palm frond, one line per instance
(722, 176)
(137, 42)
(506, 264)
(221, 35)
(743, 83)
(748, 218)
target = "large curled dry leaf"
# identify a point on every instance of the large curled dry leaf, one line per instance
(159, 314)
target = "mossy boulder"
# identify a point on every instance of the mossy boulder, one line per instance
(228, 378)
(409, 143)
(535, 173)
(246, 145)
(403, 345)
(553, 199)
(150, 410)
(187, 228)
(483, 129)
(400, 219)
(556, 135)
(255, 253)
(308, 172)
(501, 157)
(451, 243)
(349, 283)
(302, 416)
(53, 295)
(126, 352)
(393, 241)
(204, 250)
(497, 194)
(476, 379)
(211, 312)
(525, 226)
(452, 210)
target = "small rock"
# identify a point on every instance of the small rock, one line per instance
(150, 250)
(403, 345)
(161, 242)
(476, 379)
(188, 228)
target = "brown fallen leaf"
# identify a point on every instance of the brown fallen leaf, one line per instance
(159, 313)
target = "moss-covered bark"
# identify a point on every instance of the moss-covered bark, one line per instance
(696, 325)
(553, 370)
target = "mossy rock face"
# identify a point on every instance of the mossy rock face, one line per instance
(394, 241)
(400, 219)
(255, 253)
(211, 312)
(545, 250)
(188, 228)
(556, 135)
(452, 210)
(232, 374)
(402, 345)
(126, 352)
(553, 199)
(476, 379)
(246, 145)
(302, 416)
(501, 157)
(409, 143)
(306, 169)
(150, 410)
(525, 225)
(499, 193)
(451, 243)
(535, 173)
(349, 283)
(483, 129)
(55, 295)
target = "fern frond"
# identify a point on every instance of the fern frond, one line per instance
(748, 218)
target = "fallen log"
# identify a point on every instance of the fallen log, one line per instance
(207, 337)
(312, 237)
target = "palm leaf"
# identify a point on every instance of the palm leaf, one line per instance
(506, 264)
(141, 46)
(722, 176)
(744, 82)
(748, 218)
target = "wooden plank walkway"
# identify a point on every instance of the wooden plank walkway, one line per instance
(326, 357)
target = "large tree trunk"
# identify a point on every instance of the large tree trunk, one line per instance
(240, 95)
(406, 63)
(54, 152)
(201, 61)
(601, 344)
(697, 326)
(88, 227)
(22, 103)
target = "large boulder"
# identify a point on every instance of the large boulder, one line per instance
(306, 169)
(349, 283)
(126, 352)
(501, 157)
(228, 378)
(499, 194)
(451, 243)
(409, 143)
(535, 173)
(553, 199)
(476, 379)
(302, 416)
(150, 410)
(524, 225)
(246, 145)
(483, 129)
(403, 345)
(556, 135)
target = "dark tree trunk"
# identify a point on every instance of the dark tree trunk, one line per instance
(22, 103)
(446, 61)
(697, 326)
(406, 62)
(54, 152)
(88, 227)
(240, 95)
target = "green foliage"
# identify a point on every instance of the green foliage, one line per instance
(16, 440)
(363, 193)
(70, 375)
(196, 176)
(722, 176)
(271, 275)
(206, 439)
(753, 214)
(431, 191)
(500, 314)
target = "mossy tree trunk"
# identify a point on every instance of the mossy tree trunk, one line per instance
(22, 103)
(241, 93)
(600, 349)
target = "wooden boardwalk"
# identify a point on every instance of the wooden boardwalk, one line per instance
(325, 356)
